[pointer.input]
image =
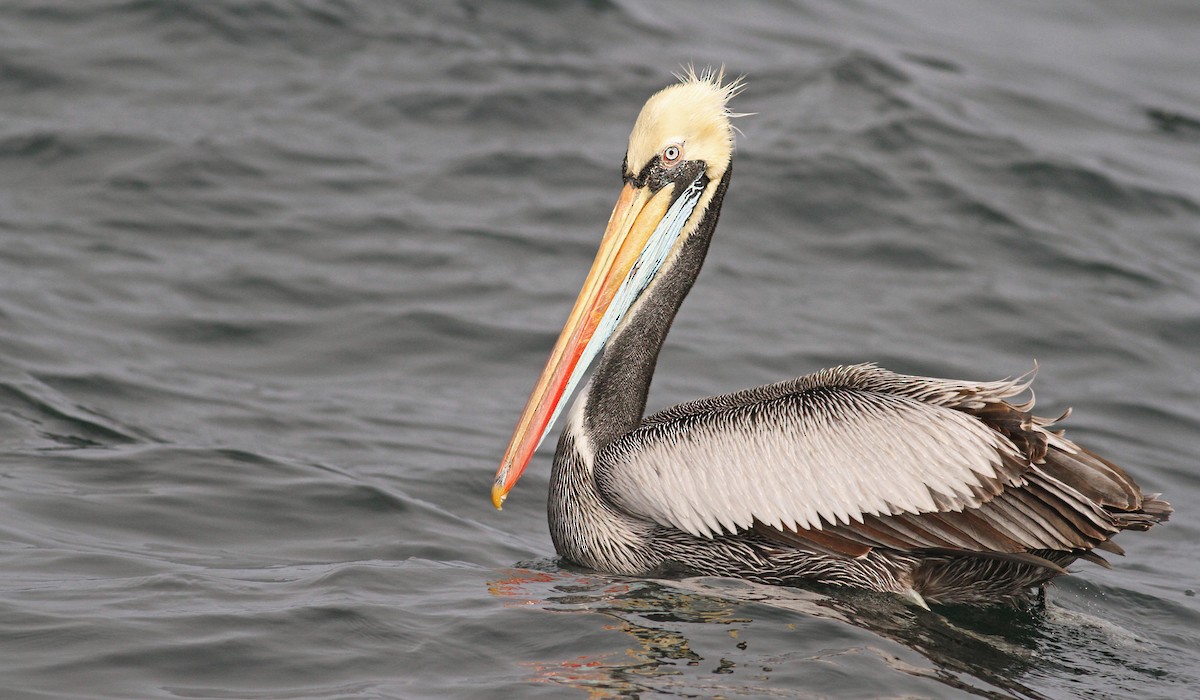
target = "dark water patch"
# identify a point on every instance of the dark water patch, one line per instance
(158, 217)
(18, 77)
(310, 293)
(1116, 275)
(550, 167)
(66, 157)
(829, 173)
(828, 194)
(423, 331)
(365, 236)
(201, 165)
(120, 250)
(856, 89)
(34, 409)
(1181, 331)
(317, 155)
(918, 133)
(66, 14)
(1140, 408)
(532, 241)
(935, 62)
(869, 72)
(917, 259)
(175, 504)
(1051, 257)
(966, 208)
(1098, 189)
(1174, 123)
(293, 25)
(541, 107)
(127, 388)
(226, 332)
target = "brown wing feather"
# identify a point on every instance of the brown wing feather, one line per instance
(814, 541)
(788, 461)
(1061, 498)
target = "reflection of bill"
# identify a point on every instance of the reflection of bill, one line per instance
(651, 664)
(706, 636)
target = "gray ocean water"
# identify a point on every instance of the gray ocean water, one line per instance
(276, 277)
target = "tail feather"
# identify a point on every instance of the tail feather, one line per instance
(1093, 476)
(1105, 484)
(1153, 511)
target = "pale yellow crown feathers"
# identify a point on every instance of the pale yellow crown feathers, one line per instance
(693, 115)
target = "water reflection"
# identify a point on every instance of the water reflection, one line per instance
(666, 622)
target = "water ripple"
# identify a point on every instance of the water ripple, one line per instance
(275, 278)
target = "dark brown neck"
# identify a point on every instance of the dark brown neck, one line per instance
(616, 395)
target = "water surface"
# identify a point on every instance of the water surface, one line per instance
(276, 278)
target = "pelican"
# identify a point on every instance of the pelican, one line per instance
(937, 490)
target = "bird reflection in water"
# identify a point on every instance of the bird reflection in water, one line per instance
(977, 653)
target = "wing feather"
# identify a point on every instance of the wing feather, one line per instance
(853, 458)
(821, 451)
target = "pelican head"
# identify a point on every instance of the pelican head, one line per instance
(679, 152)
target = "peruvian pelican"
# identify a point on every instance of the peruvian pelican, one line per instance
(938, 490)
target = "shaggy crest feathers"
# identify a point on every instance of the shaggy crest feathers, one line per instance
(692, 115)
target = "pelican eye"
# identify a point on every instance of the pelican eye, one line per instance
(671, 154)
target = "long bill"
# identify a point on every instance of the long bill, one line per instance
(641, 232)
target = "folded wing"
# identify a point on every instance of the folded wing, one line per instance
(858, 457)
